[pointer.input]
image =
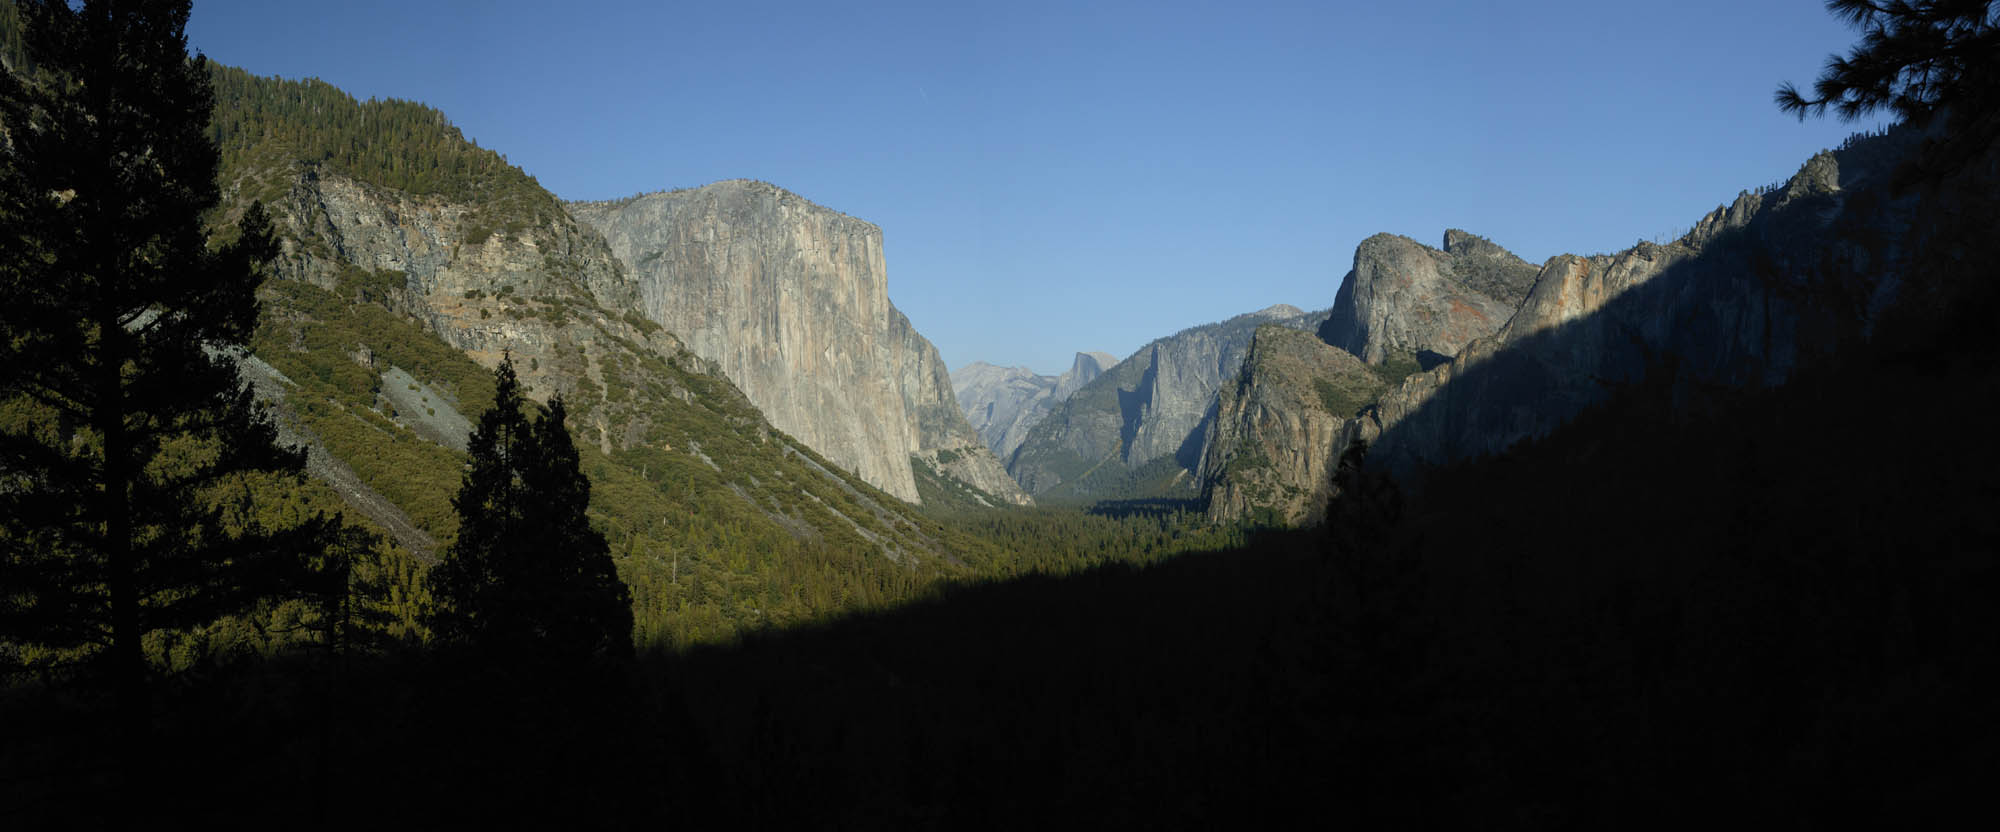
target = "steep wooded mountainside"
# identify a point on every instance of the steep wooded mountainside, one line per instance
(1403, 307)
(1004, 403)
(389, 305)
(1269, 453)
(1137, 429)
(791, 302)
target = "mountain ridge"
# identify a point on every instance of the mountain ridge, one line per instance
(1137, 428)
(1004, 403)
(1757, 288)
(387, 308)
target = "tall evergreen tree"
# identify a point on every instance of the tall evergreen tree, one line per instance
(528, 576)
(121, 414)
(1914, 57)
(589, 608)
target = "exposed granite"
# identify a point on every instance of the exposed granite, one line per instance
(548, 292)
(1003, 403)
(790, 300)
(1757, 287)
(1280, 428)
(1405, 297)
(1153, 404)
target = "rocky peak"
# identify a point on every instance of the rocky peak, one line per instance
(1150, 406)
(1753, 290)
(1462, 242)
(1085, 369)
(1819, 175)
(1004, 403)
(1405, 298)
(790, 300)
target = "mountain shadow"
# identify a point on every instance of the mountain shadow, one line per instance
(1774, 282)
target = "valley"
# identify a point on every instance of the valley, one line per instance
(1695, 528)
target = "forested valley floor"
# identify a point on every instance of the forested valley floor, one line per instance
(1763, 612)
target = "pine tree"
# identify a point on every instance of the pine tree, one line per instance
(589, 609)
(528, 577)
(1914, 57)
(121, 414)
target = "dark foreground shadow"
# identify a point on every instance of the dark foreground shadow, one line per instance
(1646, 619)
(1688, 605)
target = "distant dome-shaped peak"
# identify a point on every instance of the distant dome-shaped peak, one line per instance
(1279, 310)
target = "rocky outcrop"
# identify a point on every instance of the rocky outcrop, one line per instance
(1280, 426)
(1406, 298)
(945, 441)
(1756, 288)
(1002, 403)
(1084, 369)
(535, 285)
(442, 248)
(1150, 407)
(790, 301)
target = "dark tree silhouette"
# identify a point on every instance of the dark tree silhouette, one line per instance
(1378, 636)
(528, 576)
(122, 418)
(1915, 56)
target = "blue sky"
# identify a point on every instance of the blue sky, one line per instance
(1054, 177)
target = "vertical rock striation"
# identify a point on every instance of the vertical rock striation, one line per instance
(790, 300)
(1148, 410)
(1084, 369)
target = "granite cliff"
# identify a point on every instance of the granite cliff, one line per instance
(1003, 403)
(1777, 278)
(1758, 286)
(541, 289)
(1404, 298)
(1138, 428)
(387, 310)
(1279, 427)
(790, 300)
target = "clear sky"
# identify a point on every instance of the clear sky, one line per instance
(1055, 177)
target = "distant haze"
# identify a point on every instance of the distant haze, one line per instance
(1051, 179)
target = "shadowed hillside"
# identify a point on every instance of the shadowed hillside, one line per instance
(1715, 547)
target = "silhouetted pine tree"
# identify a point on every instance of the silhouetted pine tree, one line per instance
(1914, 57)
(589, 608)
(528, 576)
(1379, 639)
(121, 413)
